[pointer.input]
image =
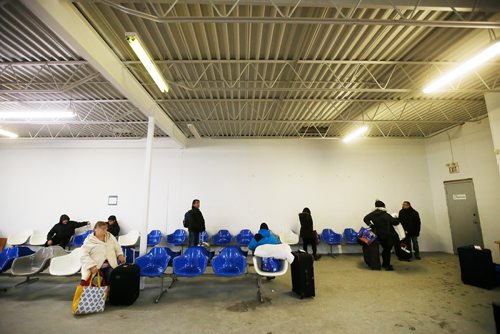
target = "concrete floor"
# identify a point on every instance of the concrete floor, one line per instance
(419, 297)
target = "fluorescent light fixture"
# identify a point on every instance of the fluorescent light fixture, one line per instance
(36, 114)
(147, 61)
(355, 134)
(8, 134)
(194, 131)
(471, 64)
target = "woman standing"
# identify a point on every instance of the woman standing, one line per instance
(100, 251)
(306, 231)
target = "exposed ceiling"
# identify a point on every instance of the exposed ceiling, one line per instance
(257, 68)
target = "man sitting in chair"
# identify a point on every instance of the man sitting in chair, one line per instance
(263, 237)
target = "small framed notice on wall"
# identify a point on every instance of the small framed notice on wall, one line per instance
(112, 200)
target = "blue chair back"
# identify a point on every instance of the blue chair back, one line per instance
(329, 237)
(350, 236)
(80, 238)
(177, 238)
(244, 237)
(222, 238)
(154, 238)
(172, 255)
(230, 262)
(204, 236)
(154, 263)
(270, 264)
(8, 255)
(192, 263)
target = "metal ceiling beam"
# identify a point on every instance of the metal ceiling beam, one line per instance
(46, 63)
(68, 23)
(300, 62)
(335, 121)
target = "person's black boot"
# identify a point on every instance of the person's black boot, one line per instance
(389, 268)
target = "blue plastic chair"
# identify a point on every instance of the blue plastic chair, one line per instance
(130, 254)
(222, 238)
(192, 263)
(172, 255)
(350, 236)
(154, 264)
(80, 238)
(204, 236)
(329, 237)
(178, 238)
(229, 262)
(270, 264)
(244, 237)
(8, 255)
(154, 238)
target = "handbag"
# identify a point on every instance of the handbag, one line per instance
(315, 237)
(400, 231)
(90, 297)
(366, 236)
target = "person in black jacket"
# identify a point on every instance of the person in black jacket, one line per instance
(113, 226)
(381, 223)
(410, 219)
(306, 231)
(194, 221)
(62, 231)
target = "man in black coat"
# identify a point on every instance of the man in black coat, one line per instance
(410, 219)
(194, 221)
(381, 223)
(306, 231)
(63, 231)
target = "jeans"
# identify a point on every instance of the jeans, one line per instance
(309, 241)
(106, 272)
(413, 244)
(386, 251)
(194, 238)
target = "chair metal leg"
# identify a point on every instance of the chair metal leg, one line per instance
(260, 298)
(162, 291)
(28, 280)
(174, 279)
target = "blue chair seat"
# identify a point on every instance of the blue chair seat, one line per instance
(328, 236)
(222, 238)
(244, 237)
(8, 255)
(154, 263)
(350, 236)
(192, 263)
(230, 262)
(80, 238)
(154, 238)
(177, 238)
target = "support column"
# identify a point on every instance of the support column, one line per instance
(147, 184)
(493, 106)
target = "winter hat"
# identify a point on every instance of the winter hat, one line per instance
(264, 226)
(306, 210)
(379, 204)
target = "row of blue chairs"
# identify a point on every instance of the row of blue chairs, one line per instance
(231, 261)
(221, 238)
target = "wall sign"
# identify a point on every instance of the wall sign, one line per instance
(112, 200)
(459, 197)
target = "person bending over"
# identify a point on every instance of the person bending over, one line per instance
(381, 223)
(63, 231)
(306, 231)
(410, 219)
(263, 237)
(194, 221)
(100, 251)
(113, 226)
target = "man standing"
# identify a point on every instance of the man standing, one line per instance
(63, 231)
(381, 223)
(194, 221)
(410, 219)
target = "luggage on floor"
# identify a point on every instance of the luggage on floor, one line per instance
(371, 254)
(90, 295)
(477, 267)
(401, 250)
(124, 284)
(303, 274)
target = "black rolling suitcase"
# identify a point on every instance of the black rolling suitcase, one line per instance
(124, 284)
(402, 253)
(303, 274)
(371, 254)
(477, 267)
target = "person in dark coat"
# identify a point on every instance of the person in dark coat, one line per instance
(410, 219)
(381, 223)
(194, 221)
(306, 231)
(113, 226)
(63, 231)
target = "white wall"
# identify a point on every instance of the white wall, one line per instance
(473, 149)
(240, 183)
